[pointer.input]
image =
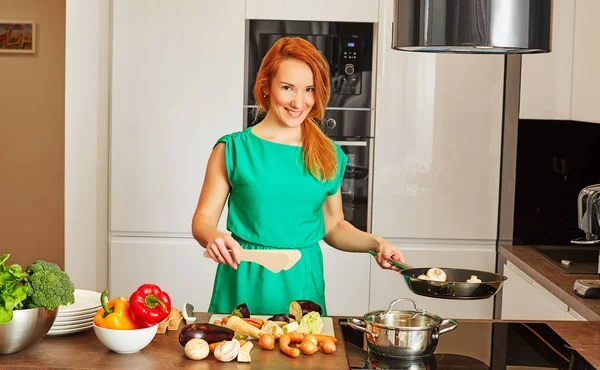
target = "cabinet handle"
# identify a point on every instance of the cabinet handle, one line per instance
(351, 143)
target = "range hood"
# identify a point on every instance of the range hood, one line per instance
(473, 26)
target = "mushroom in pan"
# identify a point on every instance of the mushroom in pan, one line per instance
(423, 277)
(474, 279)
(436, 274)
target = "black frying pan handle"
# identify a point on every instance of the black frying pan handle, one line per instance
(401, 266)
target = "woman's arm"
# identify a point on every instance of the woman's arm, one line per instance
(342, 235)
(220, 246)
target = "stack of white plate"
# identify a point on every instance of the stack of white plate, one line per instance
(78, 316)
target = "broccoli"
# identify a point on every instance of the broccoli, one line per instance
(41, 265)
(48, 287)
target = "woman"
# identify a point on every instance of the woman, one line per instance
(282, 177)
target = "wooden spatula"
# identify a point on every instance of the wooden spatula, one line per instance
(273, 260)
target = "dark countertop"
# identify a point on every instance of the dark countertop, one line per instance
(84, 350)
(552, 279)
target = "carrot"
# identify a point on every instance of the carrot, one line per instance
(257, 323)
(224, 320)
(214, 345)
(321, 338)
(286, 339)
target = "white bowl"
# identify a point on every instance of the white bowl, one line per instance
(125, 341)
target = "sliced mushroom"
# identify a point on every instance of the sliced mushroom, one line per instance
(423, 277)
(474, 279)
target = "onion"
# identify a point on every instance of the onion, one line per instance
(308, 347)
(266, 341)
(328, 346)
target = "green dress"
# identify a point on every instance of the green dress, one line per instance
(273, 204)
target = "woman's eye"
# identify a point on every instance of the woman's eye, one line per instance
(287, 88)
(310, 89)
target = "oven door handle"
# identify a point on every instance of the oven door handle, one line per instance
(351, 143)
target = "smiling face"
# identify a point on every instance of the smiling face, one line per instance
(291, 94)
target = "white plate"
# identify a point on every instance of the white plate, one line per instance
(327, 322)
(66, 318)
(89, 311)
(69, 331)
(74, 325)
(85, 300)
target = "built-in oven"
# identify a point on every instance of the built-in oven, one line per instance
(348, 48)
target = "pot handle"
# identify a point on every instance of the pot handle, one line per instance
(450, 328)
(360, 326)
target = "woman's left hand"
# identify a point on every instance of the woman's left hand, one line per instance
(387, 251)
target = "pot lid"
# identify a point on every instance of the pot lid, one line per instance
(405, 319)
(473, 26)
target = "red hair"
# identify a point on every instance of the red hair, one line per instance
(317, 150)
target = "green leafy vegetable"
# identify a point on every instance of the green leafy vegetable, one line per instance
(12, 290)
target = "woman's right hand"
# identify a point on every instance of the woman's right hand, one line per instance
(225, 249)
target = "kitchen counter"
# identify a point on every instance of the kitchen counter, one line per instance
(552, 279)
(84, 350)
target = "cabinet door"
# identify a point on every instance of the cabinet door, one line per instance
(346, 281)
(586, 75)
(546, 79)
(524, 299)
(176, 88)
(176, 265)
(437, 142)
(313, 10)
(388, 285)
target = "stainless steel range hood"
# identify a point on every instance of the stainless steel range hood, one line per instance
(473, 26)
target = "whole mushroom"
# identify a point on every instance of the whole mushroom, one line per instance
(196, 349)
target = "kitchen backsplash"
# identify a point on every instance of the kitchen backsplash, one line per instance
(555, 160)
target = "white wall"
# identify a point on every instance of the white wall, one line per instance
(86, 142)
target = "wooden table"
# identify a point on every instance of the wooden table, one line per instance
(84, 350)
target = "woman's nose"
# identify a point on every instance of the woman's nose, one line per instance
(298, 101)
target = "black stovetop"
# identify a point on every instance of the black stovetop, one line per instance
(477, 345)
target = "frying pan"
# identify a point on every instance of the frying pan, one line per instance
(455, 286)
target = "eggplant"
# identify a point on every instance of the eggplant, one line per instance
(209, 332)
(241, 311)
(300, 308)
(286, 317)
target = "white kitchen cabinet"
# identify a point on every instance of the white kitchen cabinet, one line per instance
(547, 79)
(525, 299)
(176, 88)
(388, 285)
(346, 281)
(313, 10)
(174, 264)
(438, 122)
(586, 74)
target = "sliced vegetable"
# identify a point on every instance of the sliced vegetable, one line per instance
(244, 354)
(272, 328)
(242, 327)
(241, 311)
(291, 327)
(210, 333)
(311, 323)
(300, 308)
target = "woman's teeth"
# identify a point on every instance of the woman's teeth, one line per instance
(294, 114)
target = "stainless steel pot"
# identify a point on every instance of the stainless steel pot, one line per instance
(402, 334)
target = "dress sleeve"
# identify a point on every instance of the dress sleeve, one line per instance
(229, 155)
(342, 160)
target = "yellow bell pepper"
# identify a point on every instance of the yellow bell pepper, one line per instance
(114, 314)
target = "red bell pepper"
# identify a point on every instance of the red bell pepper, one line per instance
(149, 305)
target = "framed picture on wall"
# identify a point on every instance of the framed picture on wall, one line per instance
(17, 37)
